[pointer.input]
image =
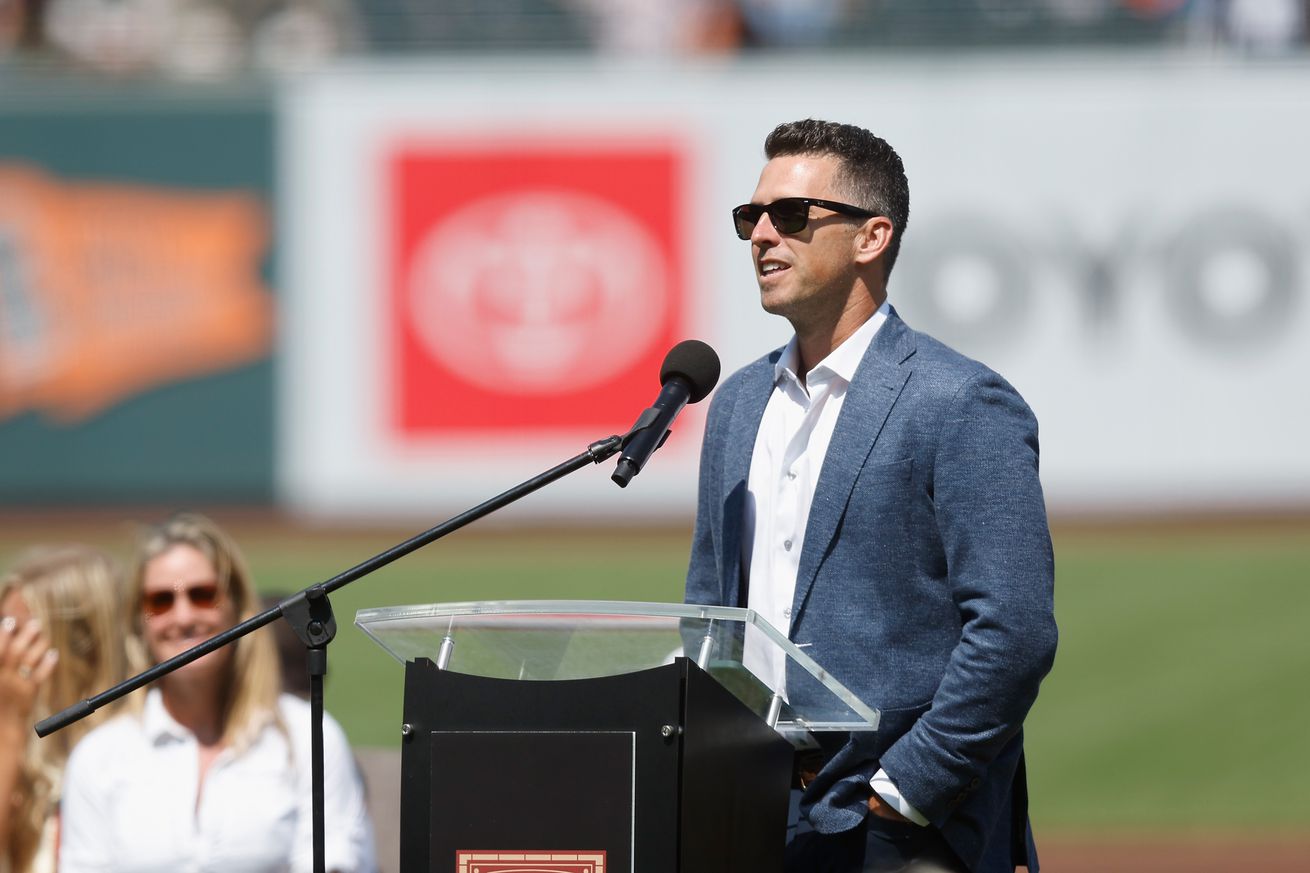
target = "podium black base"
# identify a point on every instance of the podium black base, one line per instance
(661, 771)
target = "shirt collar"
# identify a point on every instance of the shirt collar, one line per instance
(841, 362)
(157, 724)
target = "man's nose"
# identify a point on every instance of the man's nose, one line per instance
(764, 231)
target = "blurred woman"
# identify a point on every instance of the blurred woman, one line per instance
(212, 770)
(60, 642)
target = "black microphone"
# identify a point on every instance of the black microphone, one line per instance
(688, 375)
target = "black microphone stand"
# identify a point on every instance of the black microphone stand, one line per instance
(310, 614)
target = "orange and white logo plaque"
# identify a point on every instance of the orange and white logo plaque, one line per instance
(473, 861)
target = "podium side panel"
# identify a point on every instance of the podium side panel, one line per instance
(736, 781)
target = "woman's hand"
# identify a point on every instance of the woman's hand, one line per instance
(26, 661)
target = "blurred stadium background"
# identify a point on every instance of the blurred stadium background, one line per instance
(336, 270)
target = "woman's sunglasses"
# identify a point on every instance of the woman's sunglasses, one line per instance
(789, 214)
(202, 596)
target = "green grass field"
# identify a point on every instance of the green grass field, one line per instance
(1180, 697)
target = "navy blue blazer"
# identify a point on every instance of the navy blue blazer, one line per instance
(925, 583)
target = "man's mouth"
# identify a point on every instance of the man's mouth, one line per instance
(770, 268)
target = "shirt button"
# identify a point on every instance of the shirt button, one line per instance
(786, 613)
(791, 474)
(786, 544)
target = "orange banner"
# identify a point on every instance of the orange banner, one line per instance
(108, 289)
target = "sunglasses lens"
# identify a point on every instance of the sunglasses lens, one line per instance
(203, 596)
(789, 216)
(744, 218)
(157, 602)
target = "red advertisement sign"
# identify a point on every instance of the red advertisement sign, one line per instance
(529, 862)
(532, 285)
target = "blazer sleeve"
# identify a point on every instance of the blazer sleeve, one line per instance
(991, 520)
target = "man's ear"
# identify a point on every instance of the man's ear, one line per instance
(873, 238)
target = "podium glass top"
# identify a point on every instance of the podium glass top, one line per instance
(543, 640)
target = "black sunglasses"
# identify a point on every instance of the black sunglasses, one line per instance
(789, 214)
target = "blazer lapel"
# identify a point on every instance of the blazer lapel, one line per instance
(878, 382)
(744, 424)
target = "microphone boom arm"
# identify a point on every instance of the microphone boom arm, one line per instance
(596, 453)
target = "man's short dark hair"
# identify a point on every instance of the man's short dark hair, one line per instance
(871, 174)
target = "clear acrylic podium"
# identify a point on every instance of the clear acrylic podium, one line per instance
(600, 736)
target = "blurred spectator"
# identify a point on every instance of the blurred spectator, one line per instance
(302, 34)
(21, 24)
(13, 17)
(60, 642)
(675, 27)
(198, 39)
(1259, 27)
(791, 23)
(1266, 26)
(212, 770)
(214, 39)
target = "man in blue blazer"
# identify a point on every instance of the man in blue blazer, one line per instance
(875, 495)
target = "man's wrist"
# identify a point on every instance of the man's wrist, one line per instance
(889, 798)
(882, 809)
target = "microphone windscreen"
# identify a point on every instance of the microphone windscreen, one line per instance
(696, 362)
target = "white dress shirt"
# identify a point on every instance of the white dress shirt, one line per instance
(131, 801)
(790, 446)
(785, 464)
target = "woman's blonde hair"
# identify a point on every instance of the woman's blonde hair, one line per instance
(251, 691)
(75, 592)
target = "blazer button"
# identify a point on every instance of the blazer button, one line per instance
(977, 780)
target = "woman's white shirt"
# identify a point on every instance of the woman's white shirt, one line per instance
(130, 800)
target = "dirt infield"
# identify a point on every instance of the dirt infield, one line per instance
(1109, 853)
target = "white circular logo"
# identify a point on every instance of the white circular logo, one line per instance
(538, 291)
